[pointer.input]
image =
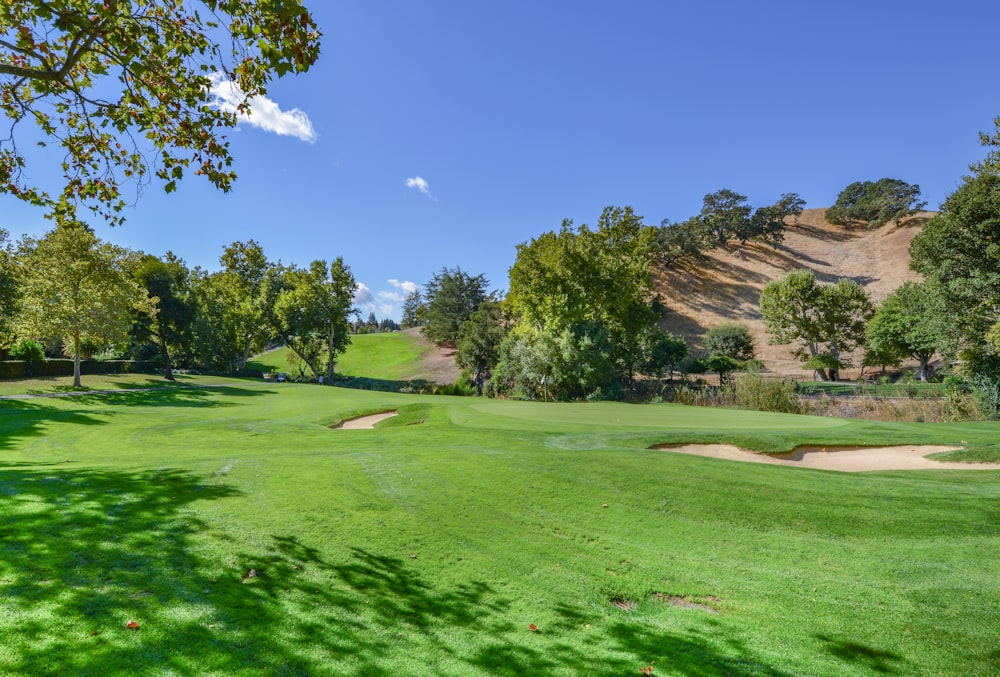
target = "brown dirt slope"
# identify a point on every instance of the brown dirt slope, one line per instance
(436, 364)
(726, 284)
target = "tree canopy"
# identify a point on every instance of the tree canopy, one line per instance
(908, 323)
(78, 288)
(580, 277)
(314, 313)
(124, 87)
(825, 321)
(959, 250)
(450, 299)
(875, 203)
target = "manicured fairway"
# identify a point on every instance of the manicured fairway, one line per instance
(472, 537)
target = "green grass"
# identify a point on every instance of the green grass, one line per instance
(429, 545)
(389, 357)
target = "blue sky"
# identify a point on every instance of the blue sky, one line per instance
(445, 133)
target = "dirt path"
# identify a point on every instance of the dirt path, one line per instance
(365, 422)
(844, 459)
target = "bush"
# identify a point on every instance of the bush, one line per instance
(753, 391)
(29, 351)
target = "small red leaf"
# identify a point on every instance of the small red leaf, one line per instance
(132, 625)
(533, 627)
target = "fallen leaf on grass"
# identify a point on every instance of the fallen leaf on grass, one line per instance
(413, 555)
(533, 627)
(132, 625)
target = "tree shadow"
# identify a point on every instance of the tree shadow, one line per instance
(22, 419)
(169, 396)
(373, 603)
(862, 654)
(84, 552)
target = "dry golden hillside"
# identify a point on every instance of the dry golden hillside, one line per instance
(726, 284)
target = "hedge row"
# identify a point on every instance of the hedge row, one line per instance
(19, 369)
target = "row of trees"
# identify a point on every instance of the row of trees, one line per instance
(69, 287)
(726, 216)
(579, 319)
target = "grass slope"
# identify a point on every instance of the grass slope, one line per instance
(246, 537)
(396, 356)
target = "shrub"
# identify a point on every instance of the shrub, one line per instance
(753, 391)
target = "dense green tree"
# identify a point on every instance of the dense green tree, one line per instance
(568, 363)
(767, 224)
(249, 285)
(908, 323)
(875, 203)
(451, 297)
(124, 87)
(959, 251)
(730, 339)
(583, 277)
(825, 321)
(725, 215)
(315, 310)
(662, 353)
(479, 340)
(676, 241)
(8, 291)
(166, 282)
(78, 287)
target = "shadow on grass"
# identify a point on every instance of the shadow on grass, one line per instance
(160, 396)
(371, 609)
(84, 552)
(20, 419)
(862, 655)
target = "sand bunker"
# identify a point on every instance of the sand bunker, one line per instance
(365, 422)
(844, 459)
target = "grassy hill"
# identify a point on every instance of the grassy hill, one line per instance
(240, 535)
(726, 284)
(396, 356)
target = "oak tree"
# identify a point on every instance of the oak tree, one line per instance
(824, 321)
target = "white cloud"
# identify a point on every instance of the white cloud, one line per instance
(407, 286)
(420, 184)
(363, 295)
(260, 111)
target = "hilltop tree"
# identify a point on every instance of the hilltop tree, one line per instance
(452, 296)
(825, 321)
(725, 215)
(875, 203)
(125, 88)
(78, 287)
(675, 241)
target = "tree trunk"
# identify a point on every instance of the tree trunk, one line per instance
(76, 361)
(168, 370)
(329, 354)
(923, 367)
